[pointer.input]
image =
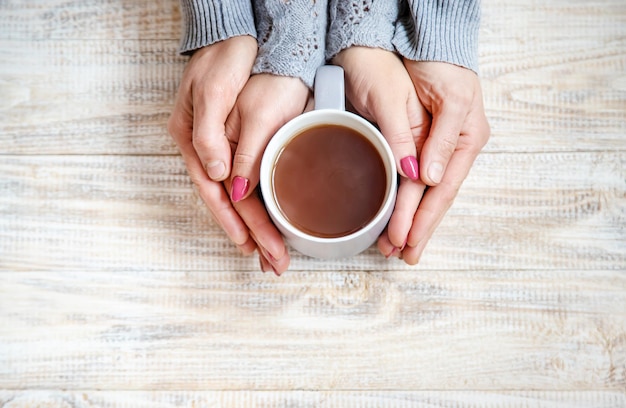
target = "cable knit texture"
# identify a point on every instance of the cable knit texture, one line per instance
(291, 36)
(208, 21)
(440, 30)
(294, 41)
(368, 23)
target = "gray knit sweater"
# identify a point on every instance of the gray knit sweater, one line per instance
(297, 36)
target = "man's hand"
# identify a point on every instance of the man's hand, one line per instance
(459, 130)
(211, 83)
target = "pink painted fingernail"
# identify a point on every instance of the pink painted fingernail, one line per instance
(410, 167)
(239, 188)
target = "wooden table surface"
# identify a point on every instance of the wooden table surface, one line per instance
(117, 290)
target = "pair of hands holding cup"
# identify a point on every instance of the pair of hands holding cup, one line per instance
(431, 113)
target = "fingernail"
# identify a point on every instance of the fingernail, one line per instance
(275, 271)
(239, 188)
(261, 265)
(271, 257)
(410, 167)
(216, 169)
(403, 245)
(435, 172)
(394, 252)
(266, 254)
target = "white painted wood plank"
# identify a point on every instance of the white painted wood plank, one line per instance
(548, 87)
(87, 97)
(537, 211)
(519, 300)
(458, 330)
(90, 19)
(553, 74)
(313, 399)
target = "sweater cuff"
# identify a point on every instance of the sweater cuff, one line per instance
(445, 31)
(372, 24)
(208, 21)
(291, 37)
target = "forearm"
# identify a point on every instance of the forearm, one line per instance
(440, 30)
(291, 37)
(370, 23)
(208, 21)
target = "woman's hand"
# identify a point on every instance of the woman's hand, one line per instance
(265, 104)
(380, 89)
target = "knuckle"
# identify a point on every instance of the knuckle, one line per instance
(447, 146)
(201, 144)
(175, 125)
(449, 195)
(401, 139)
(480, 136)
(463, 97)
(208, 91)
(216, 91)
(456, 99)
(244, 159)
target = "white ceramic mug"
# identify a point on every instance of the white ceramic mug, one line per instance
(329, 110)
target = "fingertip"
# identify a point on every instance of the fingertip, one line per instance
(276, 254)
(264, 264)
(385, 246)
(409, 196)
(394, 253)
(411, 256)
(410, 167)
(214, 154)
(281, 264)
(239, 188)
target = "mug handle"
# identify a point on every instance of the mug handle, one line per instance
(329, 88)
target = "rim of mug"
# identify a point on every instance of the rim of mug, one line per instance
(285, 134)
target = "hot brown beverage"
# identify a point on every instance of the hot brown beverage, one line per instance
(329, 181)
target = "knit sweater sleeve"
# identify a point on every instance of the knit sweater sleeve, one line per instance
(368, 23)
(208, 21)
(291, 36)
(440, 30)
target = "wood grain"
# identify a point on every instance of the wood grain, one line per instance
(554, 74)
(113, 96)
(93, 97)
(89, 19)
(117, 290)
(119, 212)
(312, 399)
(456, 330)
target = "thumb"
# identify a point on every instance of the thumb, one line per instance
(441, 142)
(253, 137)
(209, 137)
(393, 120)
(259, 123)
